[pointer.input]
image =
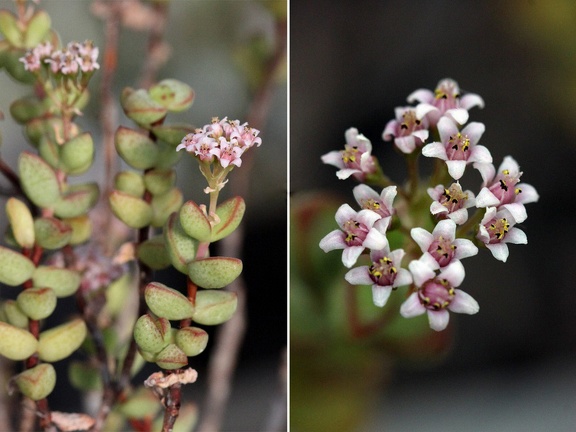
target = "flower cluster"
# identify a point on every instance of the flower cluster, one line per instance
(68, 61)
(224, 140)
(437, 241)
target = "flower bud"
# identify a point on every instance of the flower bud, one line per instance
(174, 95)
(191, 340)
(214, 272)
(230, 213)
(38, 303)
(16, 343)
(61, 341)
(37, 382)
(52, 233)
(38, 180)
(214, 307)
(15, 268)
(63, 282)
(21, 221)
(134, 212)
(194, 221)
(167, 303)
(136, 148)
(171, 357)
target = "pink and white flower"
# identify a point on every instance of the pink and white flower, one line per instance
(384, 274)
(442, 243)
(408, 130)
(368, 198)
(503, 188)
(437, 294)
(444, 101)
(358, 230)
(496, 229)
(458, 148)
(355, 160)
(452, 203)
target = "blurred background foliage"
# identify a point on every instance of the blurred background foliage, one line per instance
(351, 68)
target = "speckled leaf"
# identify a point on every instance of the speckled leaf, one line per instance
(77, 200)
(166, 302)
(172, 133)
(15, 343)
(194, 221)
(153, 253)
(21, 221)
(77, 154)
(39, 180)
(230, 213)
(52, 233)
(15, 268)
(37, 382)
(180, 246)
(37, 303)
(214, 272)
(159, 181)
(163, 205)
(38, 27)
(136, 148)
(172, 94)
(63, 281)
(214, 307)
(130, 182)
(133, 211)
(61, 341)
(140, 107)
(171, 357)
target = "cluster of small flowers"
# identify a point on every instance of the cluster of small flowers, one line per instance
(68, 61)
(435, 276)
(224, 140)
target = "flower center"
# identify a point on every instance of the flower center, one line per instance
(498, 229)
(355, 231)
(436, 294)
(351, 156)
(383, 271)
(505, 188)
(442, 250)
(409, 123)
(453, 198)
(446, 96)
(458, 147)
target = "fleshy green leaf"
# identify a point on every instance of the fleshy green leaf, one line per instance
(194, 221)
(140, 107)
(153, 253)
(51, 233)
(133, 211)
(38, 302)
(77, 200)
(77, 154)
(214, 307)
(38, 28)
(14, 315)
(180, 246)
(159, 181)
(15, 343)
(15, 268)
(37, 382)
(172, 133)
(21, 221)
(167, 303)
(172, 94)
(39, 180)
(171, 357)
(63, 281)
(149, 333)
(163, 205)
(61, 341)
(10, 29)
(191, 340)
(136, 148)
(130, 182)
(230, 213)
(214, 272)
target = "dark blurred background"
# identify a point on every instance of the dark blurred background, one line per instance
(352, 62)
(207, 43)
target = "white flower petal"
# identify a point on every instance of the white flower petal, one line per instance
(445, 228)
(456, 168)
(333, 240)
(403, 277)
(380, 294)
(436, 208)
(421, 272)
(420, 95)
(487, 171)
(412, 306)
(486, 198)
(516, 236)
(363, 192)
(453, 273)
(422, 237)
(518, 211)
(464, 249)
(528, 194)
(499, 251)
(435, 149)
(359, 276)
(459, 216)
(474, 131)
(471, 100)
(350, 255)
(459, 115)
(446, 128)
(389, 130)
(438, 319)
(345, 213)
(481, 154)
(387, 196)
(333, 158)
(463, 303)
(406, 144)
(343, 174)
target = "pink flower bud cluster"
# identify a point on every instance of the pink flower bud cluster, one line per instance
(434, 276)
(76, 57)
(222, 140)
